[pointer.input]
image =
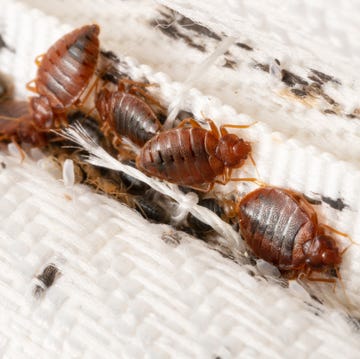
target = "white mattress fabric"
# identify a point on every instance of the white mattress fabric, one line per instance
(128, 288)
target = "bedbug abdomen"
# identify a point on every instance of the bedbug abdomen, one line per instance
(184, 156)
(275, 226)
(133, 118)
(68, 66)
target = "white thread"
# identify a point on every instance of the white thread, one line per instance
(99, 157)
(184, 207)
(68, 173)
(197, 72)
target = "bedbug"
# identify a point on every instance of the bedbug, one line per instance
(152, 208)
(225, 209)
(124, 113)
(193, 156)
(17, 125)
(66, 69)
(282, 228)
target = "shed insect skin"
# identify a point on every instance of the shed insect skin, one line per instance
(65, 71)
(193, 156)
(281, 227)
(124, 113)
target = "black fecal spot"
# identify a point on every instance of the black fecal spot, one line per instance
(328, 99)
(353, 321)
(291, 79)
(313, 308)
(312, 200)
(324, 77)
(329, 112)
(4, 45)
(337, 204)
(317, 299)
(188, 24)
(47, 278)
(350, 115)
(244, 46)
(110, 56)
(299, 93)
(3, 165)
(230, 63)
(260, 66)
(177, 27)
(315, 79)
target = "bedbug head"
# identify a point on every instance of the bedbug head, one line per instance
(322, 252)
(102, 103)
(232, 150)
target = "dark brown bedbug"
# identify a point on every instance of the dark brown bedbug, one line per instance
(193, 156)
(224, 208)
(282, 228)
(124, 113)
(66, 69)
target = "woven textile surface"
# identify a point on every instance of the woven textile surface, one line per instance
(128, 288)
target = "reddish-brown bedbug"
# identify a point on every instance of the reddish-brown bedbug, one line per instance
(281, 227)
(17, 125)
(65, 71)
(193, 156)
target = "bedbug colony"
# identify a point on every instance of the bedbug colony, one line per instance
(77, 82)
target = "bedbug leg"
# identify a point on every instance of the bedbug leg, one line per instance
(21, 151)
(224, 127)
(188, 121)
(147, 97)
(38, 59)
(251, 158)
(31, 86)
(249, 179)
(214, 128)
(81, 101)
(123, 82)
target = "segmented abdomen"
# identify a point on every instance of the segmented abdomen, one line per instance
(275, 226)
(68, 66)
(133, 118)
(184, 156)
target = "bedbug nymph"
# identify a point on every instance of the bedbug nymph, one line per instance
(281, 227)
(193, 156)
(124, 113)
